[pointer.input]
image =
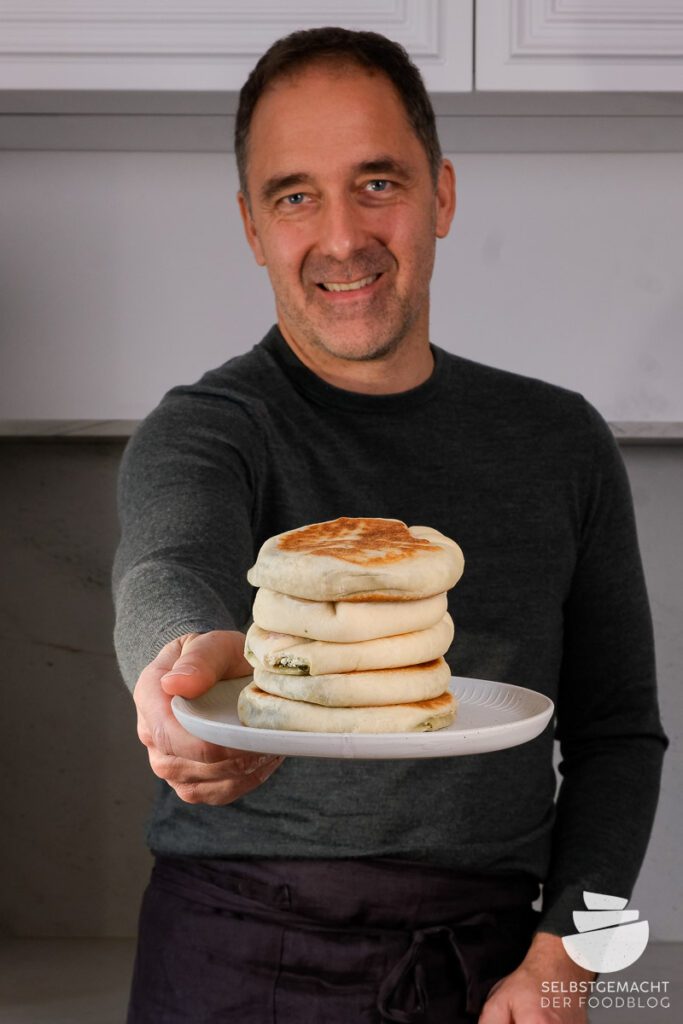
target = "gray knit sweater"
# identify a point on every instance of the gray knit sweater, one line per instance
(527, 478)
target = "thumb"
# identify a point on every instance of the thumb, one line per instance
(205, 659)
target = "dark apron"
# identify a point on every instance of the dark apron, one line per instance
(349, 941)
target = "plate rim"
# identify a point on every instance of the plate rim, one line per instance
(185, 705)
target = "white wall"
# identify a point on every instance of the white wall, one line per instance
(122, 274)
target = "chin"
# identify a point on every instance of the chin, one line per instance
(359, 349)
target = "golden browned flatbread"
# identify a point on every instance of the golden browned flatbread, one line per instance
(263, 710)
(358, 559)
(292, 655)
(344, 621)
(361, 689)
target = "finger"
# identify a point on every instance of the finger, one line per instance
(496, 1011)
(177, 770)
(224, 791)
(158, 727)
(520, 1008)
(206, 658)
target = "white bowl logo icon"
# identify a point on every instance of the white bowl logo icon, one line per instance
(609, 938)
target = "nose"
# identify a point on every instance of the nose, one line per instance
(342, 230)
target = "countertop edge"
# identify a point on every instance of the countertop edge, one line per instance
(625, 431)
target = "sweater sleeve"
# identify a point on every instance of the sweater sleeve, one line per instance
(186, 494)
(608, 726)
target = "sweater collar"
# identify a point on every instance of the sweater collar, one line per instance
(310, 384)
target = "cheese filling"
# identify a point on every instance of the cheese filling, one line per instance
(291, 663)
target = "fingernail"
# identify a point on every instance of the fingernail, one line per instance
(184, 670)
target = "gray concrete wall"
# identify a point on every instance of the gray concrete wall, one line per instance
(74, 781)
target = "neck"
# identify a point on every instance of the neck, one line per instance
(406, 368)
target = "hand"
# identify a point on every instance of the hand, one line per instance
(199, 772)
(520, 998)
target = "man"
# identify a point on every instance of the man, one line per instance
(321, 890)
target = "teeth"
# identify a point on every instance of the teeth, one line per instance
(352, 287)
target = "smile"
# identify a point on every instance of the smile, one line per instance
(352, 286)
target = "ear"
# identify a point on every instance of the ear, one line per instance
(445, 198)
(250, 229)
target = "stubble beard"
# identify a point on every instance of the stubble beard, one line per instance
(353, 344)
(389, 325)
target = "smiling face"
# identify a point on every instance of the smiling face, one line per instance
(343, 212)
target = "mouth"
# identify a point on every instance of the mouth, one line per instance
(350, 286)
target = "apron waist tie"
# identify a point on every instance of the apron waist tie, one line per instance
(409, 962)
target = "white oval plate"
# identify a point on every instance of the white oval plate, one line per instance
(491, 716)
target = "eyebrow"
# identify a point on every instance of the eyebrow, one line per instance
(380, 165)
(385, 165)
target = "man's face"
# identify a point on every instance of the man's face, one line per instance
(340, 194)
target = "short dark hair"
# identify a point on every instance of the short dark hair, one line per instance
(343, 47)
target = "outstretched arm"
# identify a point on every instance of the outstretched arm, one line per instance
(185, 494)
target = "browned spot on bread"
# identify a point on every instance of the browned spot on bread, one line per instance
(362, 541)
(440, 703)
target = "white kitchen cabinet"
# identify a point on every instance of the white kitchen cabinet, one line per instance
(579, 45)
(175, 45)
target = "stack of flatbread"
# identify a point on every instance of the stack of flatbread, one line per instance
(350, 628)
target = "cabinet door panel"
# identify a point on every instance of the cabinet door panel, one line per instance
(175, 45)
(579, 45)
